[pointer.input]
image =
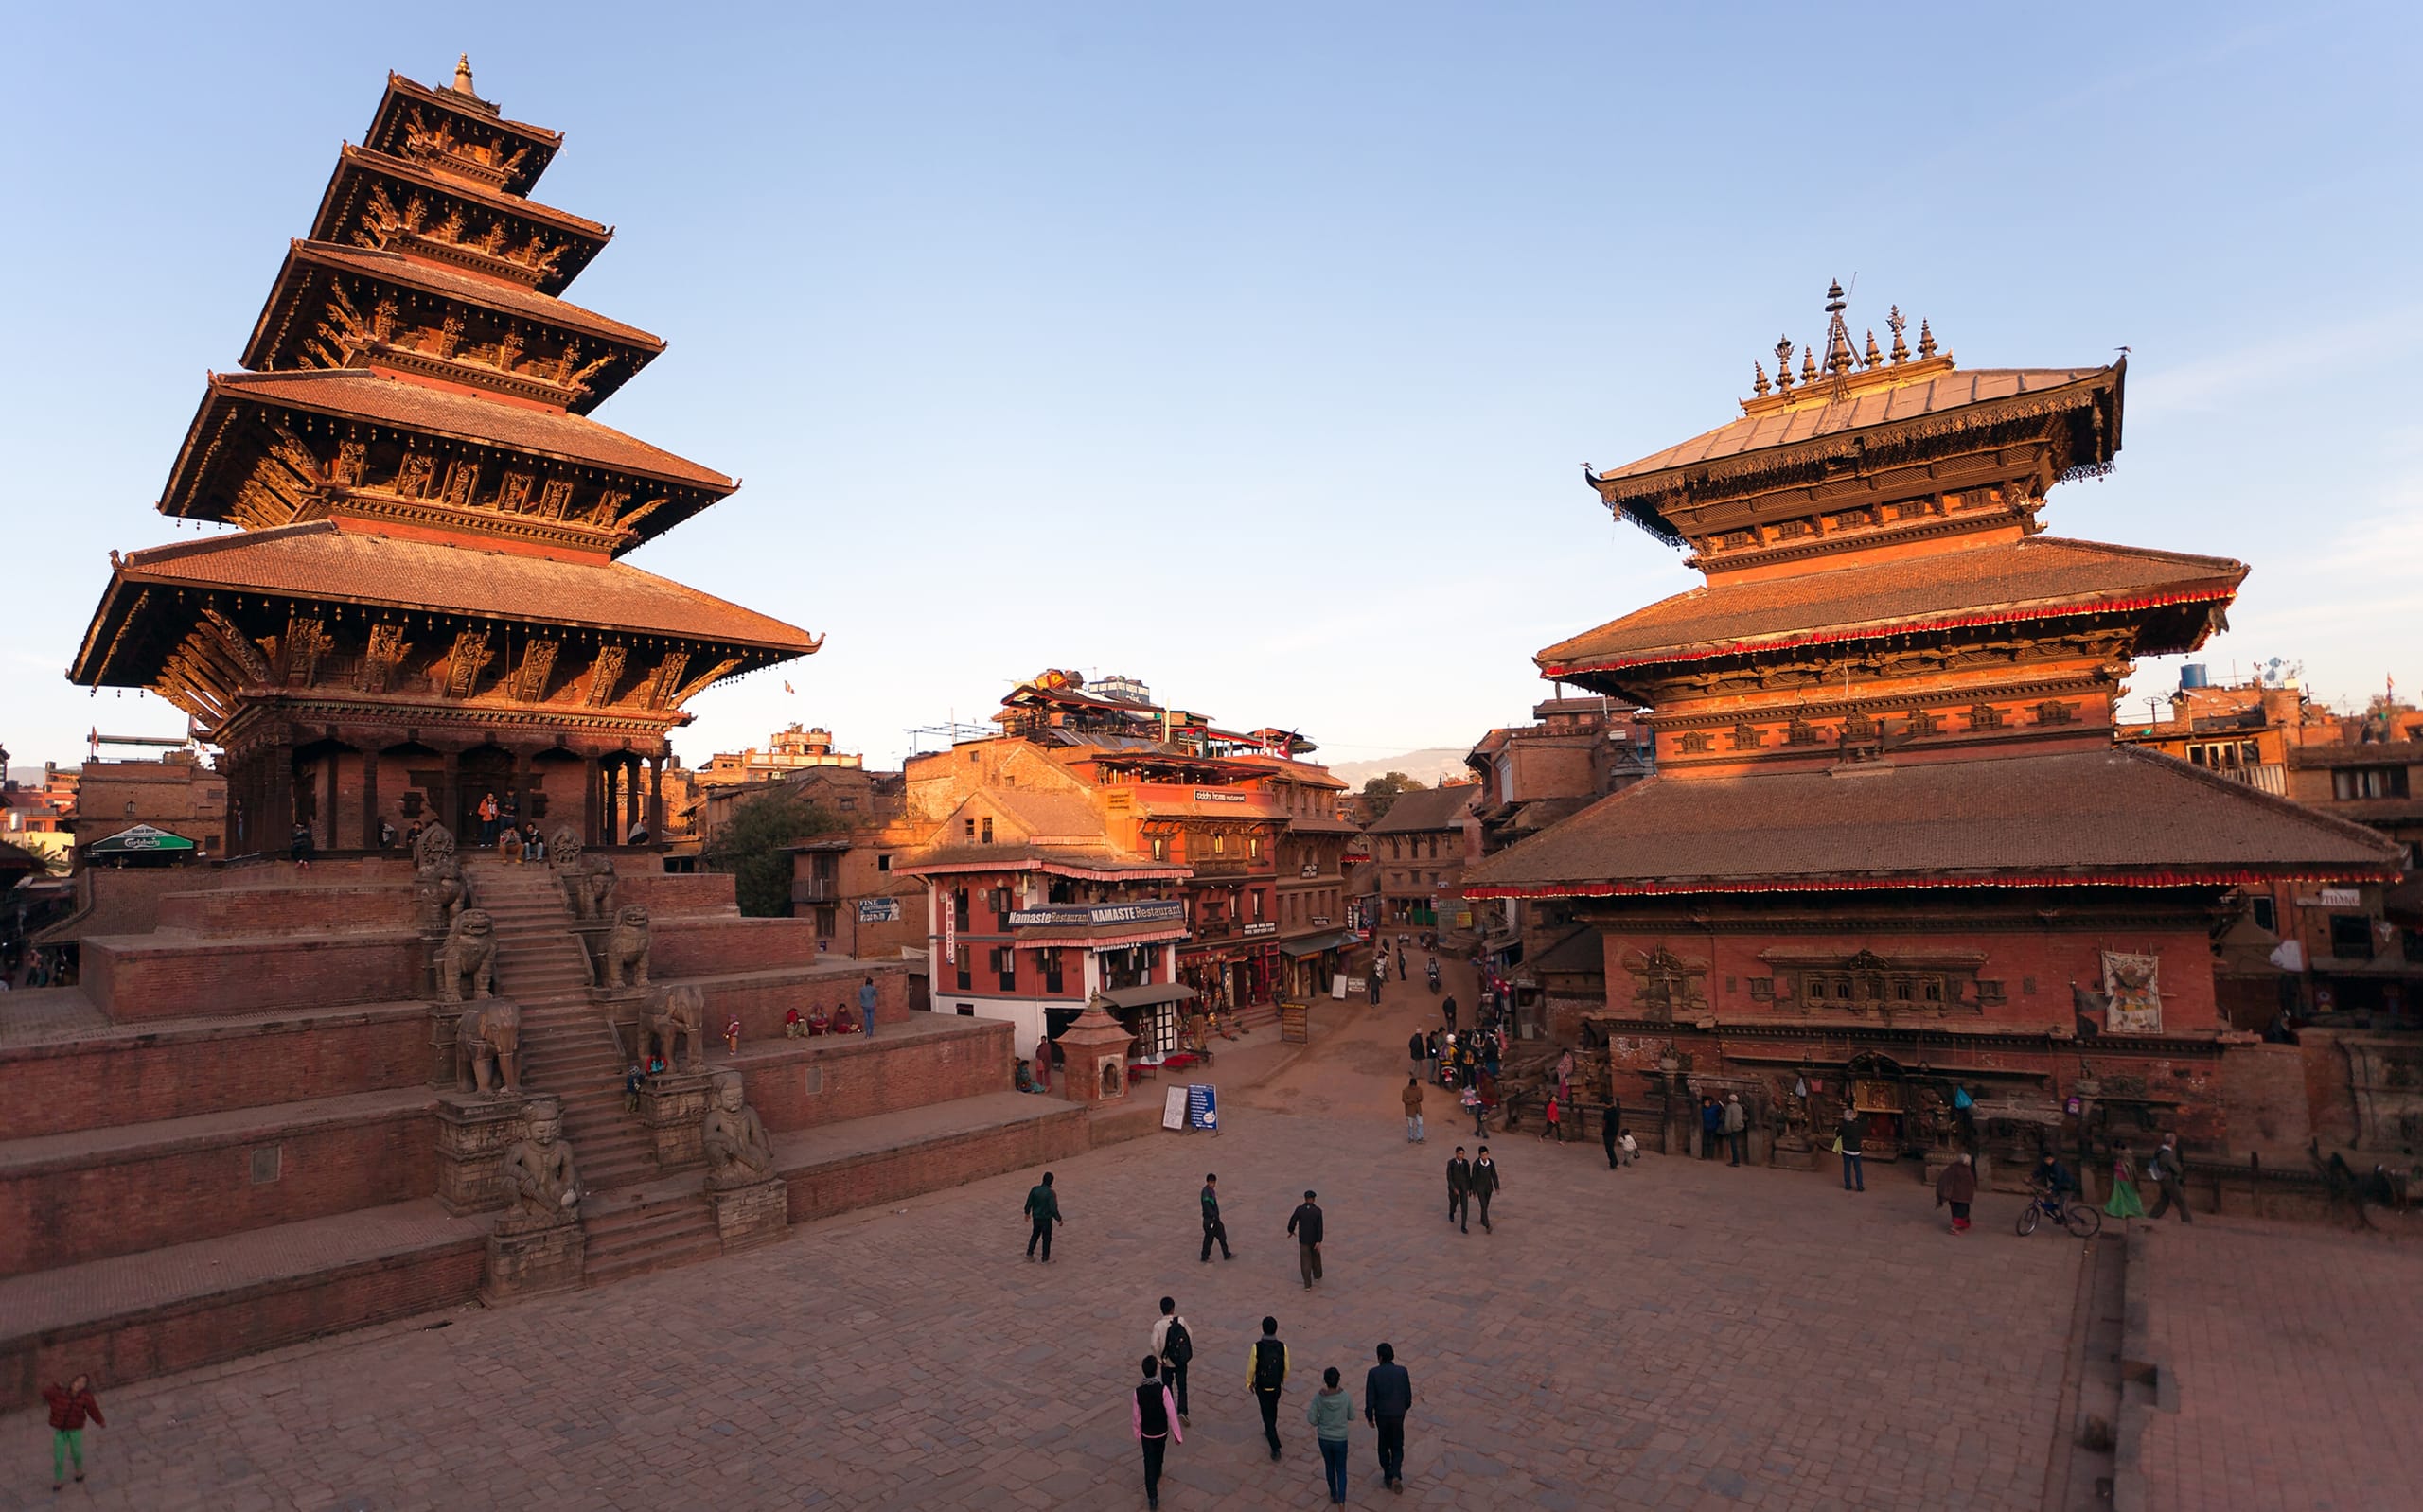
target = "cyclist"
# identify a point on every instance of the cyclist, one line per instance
(2053, 1183)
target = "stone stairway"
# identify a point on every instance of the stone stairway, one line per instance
(649, 1227)
(567, 1051)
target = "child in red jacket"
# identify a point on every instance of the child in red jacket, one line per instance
(69, 1406)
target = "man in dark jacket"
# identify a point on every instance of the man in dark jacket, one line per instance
(1266, 1373)
(1043, 1206)
(1712, 1127)
(1212, 1228)
(2170, 1171)
(1850, 1133)
(1485, 1183)
(1305, 1223)
(1151, 1417)
(1459, 1190)
(1417, 1048)
(1610, 1116)
(1388, 1395)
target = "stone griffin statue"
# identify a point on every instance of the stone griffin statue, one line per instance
(438, 888)
(680, 1011)
(467, 961)
(738, 1152)
(488, 1049)
(539, 1178)
(626, 948)
(587, 878)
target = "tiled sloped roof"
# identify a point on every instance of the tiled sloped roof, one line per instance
(2119, 816)
(1809, 420)
(1427, 808)
(492, 293)
(319, 560)
(419, 407)
(1977, 584)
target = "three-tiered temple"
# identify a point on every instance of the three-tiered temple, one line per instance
(424, 605)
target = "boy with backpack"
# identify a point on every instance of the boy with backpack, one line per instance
(1266, 1373)
(1155, 1428)
(1172, 1345)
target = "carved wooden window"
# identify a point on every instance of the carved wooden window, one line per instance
(1985, 717)
(1989, 993)
(1801, 733)
(1762, 988)
(1737, 538)
(1792, 530)
(1859, 726)
(2054, 711)
(1923, 723)
(985, 831)
(1747, 737)
(1695, 742)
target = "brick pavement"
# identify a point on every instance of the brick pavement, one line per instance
(1676, 1336)
(2292, 1348)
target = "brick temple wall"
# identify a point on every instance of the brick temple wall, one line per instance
(890, 1175)
(64, 1207)
(704, 946)
(860, 1080)
(141, 977)
(762, 1001)
(99, 1084)
(250, 911)
(665, 894)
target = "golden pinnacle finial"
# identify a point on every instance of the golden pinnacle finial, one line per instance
(1927, 342)
(1840, 358)
(463, 76)
(1899, 323)
(1808, 366)
(1873, 357)
(1759, 385)
(1783, 363)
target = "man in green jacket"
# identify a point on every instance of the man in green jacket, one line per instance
(1043, 1206)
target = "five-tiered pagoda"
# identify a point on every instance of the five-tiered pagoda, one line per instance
(424, 605)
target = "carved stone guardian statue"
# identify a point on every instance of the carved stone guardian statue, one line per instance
(542, 1183)
(587, 877)
(626, 948)
(680, 1012)
(738, 1152)
(488, 1049)
(467, 961)
(438, 888)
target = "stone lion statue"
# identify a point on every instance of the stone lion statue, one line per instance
(626, 948)
(488, 1049)
(587, 878)
(467, 962)
(738, 1152)
(680, 1011)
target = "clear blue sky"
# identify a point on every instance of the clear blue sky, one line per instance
(1253, 350)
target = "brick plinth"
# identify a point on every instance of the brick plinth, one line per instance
(247, 911)
(877, 1177)
(140, 978)
(806, 1084)
(760, 999)
(534, 1264)
(752, 1215)
(695, 946)
(188, 1070)
(671, 1106)
(473, 1134)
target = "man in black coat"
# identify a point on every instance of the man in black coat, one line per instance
(1388, 1395)
(1305, 1223)
(1485, 1183)
(1459, 1190)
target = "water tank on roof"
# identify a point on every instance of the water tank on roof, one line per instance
(2193, 676)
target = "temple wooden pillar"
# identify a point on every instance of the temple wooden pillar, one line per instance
(369, 799)
(450, 798)
(656, 798)
(590, 770)
(277, 816)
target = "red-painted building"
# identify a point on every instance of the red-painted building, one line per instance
(1890, 852)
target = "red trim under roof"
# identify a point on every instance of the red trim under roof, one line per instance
(2209, 878)
(1569, 670)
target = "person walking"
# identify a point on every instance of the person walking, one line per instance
(1213, 1230)
(1305, 1223)
(1155, 1427)
(1485, 1184)
(1043, 1206)
(1447, 1009)
(2169, 1172)
(1848, 1135)
(70, 1406)
(1417, 1050)
(1173, 1346)
(867, 995)
(1266, 1373)
(1552, 1121)
(1388, 1396)
(1372, 986)
(1608, 1114)
(1432, 1044)
(2124, 1200)
(1737, 1128)
(1331, 1413)
(1956, 1189)
(1401, 967)
(1711, 1125)
(1627, 1148)
(1412, 1099)
(1459, 1190)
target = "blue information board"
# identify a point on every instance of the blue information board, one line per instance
(1202, 1107)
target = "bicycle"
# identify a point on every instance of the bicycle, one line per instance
(2082, 1221)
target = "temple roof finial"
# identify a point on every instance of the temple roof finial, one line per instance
(1899, 323)
(1783, 362)
(1873, 357)
(1808, 366)
(1927, 342)
(1759, 385)
(1840, 357)
(463, 76)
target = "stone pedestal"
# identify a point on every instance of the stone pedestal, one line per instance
(534, 1262)
(443, 1018)
(473, 1134)
(671, 1107)
(755, 1214)
(1792, 1153)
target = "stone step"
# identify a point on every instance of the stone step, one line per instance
(689, 1252)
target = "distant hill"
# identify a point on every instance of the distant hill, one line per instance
(1425, 766)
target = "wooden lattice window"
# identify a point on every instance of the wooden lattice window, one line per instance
(1695, 742)
(1801, 733)
(1792, 530)
(1923, 723)
(2054, 711)
(1747, 737)
(1985, 717)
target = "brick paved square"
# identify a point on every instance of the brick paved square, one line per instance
(1680, 1335)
